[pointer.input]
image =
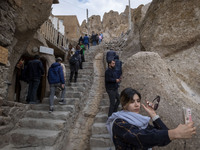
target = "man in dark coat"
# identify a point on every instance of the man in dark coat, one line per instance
(35, 70)
(74, 66)
(111, 83)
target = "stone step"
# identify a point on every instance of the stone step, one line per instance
(69, 101)
(105, 96)
(105, 102)
(104, 109)
(62, 115)
(85, 63)
(24, 137)
(78, 89)
(85, 67)
(79, 80)
(102, 148)
(99, 128)
(100, 140)
(47, 124)
(101, 118)
(70, 108)
(79, 76)
(88, 73)
(81, 71)
(84, 79)
(12, 147)
(79, 84)
(70, 94)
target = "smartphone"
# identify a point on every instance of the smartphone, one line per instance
(187, 115)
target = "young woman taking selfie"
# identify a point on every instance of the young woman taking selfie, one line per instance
(130, 130)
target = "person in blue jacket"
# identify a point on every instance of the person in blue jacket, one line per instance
(129, 130)
(56, 79)
(86, 41)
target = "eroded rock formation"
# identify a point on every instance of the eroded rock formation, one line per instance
(170, 30)
(148, 73)
(112, 25)
(19, 22)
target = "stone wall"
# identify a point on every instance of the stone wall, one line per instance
(174, 33)
(19, 22)
(10, 113)
(72, 27)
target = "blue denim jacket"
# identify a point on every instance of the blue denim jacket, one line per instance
(129, 137)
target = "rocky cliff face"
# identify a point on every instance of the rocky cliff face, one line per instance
(170, 30)
(148, 73)
(175, 36)
(19, 22)
(112, 25)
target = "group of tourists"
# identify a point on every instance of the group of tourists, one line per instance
(94, 39)
(32, 71)
(57, 73)
(29, 75)
(128, 128)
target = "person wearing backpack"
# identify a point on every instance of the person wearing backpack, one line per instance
(74, 66)
(56, 80)
(118, 66)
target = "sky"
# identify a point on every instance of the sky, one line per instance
(95, 7)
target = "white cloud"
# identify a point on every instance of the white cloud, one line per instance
(95, 7)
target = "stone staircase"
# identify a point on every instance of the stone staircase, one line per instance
(100, 139)
(41, 130)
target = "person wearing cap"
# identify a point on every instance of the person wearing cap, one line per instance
(56, 80)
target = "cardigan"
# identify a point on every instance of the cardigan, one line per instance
(129, 137)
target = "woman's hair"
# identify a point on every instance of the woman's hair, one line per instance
(127, 95)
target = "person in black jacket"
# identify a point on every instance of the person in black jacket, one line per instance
(35, 70)
(111, 83)
(74, 66)
(129, 130)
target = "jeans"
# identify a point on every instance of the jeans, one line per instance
(24, 91)
(32, 90)
(94, 43)
(87, 44)
(113, 94)
(52, 93)
(71, 76)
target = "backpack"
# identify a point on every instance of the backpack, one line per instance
(73, 60)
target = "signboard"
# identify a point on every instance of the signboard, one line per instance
(46, 50)
(3, 55)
